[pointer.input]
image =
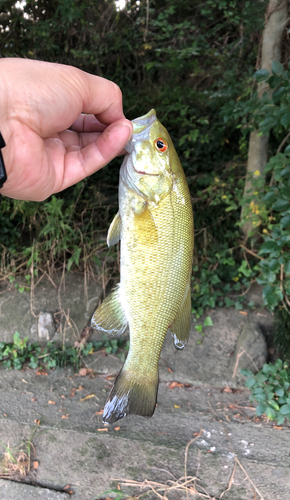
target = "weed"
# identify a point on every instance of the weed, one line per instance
(270, 388)
(16, 463)
(18, 353)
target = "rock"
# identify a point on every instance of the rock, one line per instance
(72, 301)
(46, 326)
(251, 350)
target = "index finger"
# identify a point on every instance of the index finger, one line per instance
(102, 97)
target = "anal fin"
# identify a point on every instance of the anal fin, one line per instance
(180, 327)
(131, 394)
(110, 316)
(114, 232)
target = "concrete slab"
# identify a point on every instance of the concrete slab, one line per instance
(61, 414)
(10, 490)
(72, 301)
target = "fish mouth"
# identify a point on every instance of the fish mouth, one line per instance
(141, 128)
(144, 173)
(143, 122)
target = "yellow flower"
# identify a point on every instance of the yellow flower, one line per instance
(236, 278)
(216, 179)
(257, 173)
(255, 192)
(224, 196)
(265, 231)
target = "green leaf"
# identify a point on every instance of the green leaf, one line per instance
(274, 404)
(285, 409)
(285, 119)
(260, 397)
(261, 75)
(198, 328)
(277, 68)
(281, 205)
(208, 321)
(270, 412)
(280, 419)
(285, 221)
(268, 246)
(246, 373)
(261, 408)
(286, 170)
(280, 392)
(250, 382)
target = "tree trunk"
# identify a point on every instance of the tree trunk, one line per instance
(276, 18)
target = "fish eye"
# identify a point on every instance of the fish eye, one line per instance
(161, 145)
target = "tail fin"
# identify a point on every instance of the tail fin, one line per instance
(131, 395)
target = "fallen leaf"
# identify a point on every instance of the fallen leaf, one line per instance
(227, 389)
(103, 430)
(173, 385)
(83, 372)
(88, 397)
(5, 414)
(276, 427)
(63, 397)
(169, 369)
(243, 312)
(65, 416)
(35, 464)
(118, 486)
(41, 373)
(51, 402)
(176, 406)
(37, 422)
(68, 490)
(33, 399)
(117, 428)
(24, 381)
(72, 394)
(80, 388)
(99, 412)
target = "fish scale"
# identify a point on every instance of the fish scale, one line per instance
(155, 226)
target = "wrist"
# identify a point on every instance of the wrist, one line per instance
(3, 174)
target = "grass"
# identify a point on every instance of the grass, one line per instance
(17, 463)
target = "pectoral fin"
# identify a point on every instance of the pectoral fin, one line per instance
(180, 327)
(114, 232)
(145, 228)
(110, 316)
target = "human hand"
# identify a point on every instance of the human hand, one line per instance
(50, 143)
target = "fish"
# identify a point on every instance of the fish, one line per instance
(155, 227)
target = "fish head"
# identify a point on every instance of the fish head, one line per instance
(147, 168)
